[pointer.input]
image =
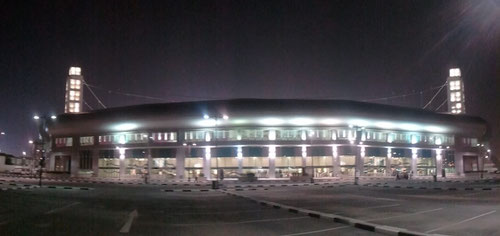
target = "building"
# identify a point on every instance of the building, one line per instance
(74, 91)
(270, 137)
(9, 162)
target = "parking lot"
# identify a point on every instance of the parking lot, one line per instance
(105, 208)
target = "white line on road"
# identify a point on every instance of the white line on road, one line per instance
(244, 222)
(387, 199)
(463, 221)
(384, 206)
(126, 227)
(409, 214)
(316, 231)
(217, 213)
(61, 208)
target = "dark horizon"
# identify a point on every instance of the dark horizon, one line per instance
(180, 51)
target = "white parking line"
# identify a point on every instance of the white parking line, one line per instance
(126, 227)
(61, 208)
(463, 221)
(384, 206)
(243, 222)
(316, 231)
(218, 212)
(409, 214)
(387, 199)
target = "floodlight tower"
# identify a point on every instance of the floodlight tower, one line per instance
(456, 97)
(74, 91)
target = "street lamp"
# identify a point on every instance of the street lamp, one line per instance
(42, 133)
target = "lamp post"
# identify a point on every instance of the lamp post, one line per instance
(42, 135)
(2, 133)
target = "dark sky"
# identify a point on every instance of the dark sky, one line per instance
(196, 50)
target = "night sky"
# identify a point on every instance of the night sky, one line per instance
(198, 50)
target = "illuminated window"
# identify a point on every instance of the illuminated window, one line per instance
(75, 71)
(272, 134)
(64, 142)
(455, 72)
(87, 140)
(458, 105)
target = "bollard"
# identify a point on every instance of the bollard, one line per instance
(356, 180)
(435, 178)
(215, 184)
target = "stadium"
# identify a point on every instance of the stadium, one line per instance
(272, 138)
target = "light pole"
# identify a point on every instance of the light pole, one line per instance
(33, 152)
(42, 135)
(2, 133)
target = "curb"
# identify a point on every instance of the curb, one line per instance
(66, 187)
(188, 190)
(19, 188)
(384, 229)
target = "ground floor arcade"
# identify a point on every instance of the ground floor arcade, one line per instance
(264, 161)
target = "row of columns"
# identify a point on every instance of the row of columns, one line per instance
(273, 152)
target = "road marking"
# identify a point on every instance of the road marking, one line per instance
(463, 221)
(126, 227)
(387, 199)
(409, 214)
(243, 222)
(384, 206)
(316, 231)
(61, 208)
(218, 212)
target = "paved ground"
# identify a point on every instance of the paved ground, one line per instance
(106, 208)
(86, 208)
(435, 209)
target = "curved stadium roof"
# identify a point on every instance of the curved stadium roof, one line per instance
(264, 113)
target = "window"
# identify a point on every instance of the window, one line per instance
(87, 141)
(86, 160)
(164, 137)
(64, 142)
(455, 85)
(75, 84)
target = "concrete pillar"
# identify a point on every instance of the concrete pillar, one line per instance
(50, 161)
(388, 157)
(480, 162)
(207, 163)
(413, 164)
(335, 161)
(95, 163)
(180, 159)
(240, 152)
(272, 161)
(459, 163)
(303, 154)
(438, 158)
(121, 158)
(74, 164)
(359, 161)
(150, 161)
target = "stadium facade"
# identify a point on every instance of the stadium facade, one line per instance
(272, 138)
